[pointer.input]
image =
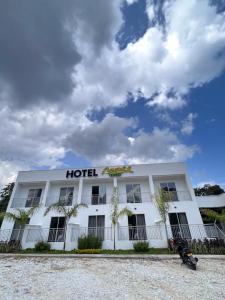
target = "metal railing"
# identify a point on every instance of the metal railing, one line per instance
(25, 202)
(195, 231)
(104, 233)
(68, 201)
(45, 234)
(177, 196)
(94, 199)
(139, 232)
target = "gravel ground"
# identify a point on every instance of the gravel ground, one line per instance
(68, 278)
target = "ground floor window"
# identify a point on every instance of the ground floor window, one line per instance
(137, 227)
(17, 232)
(96, 226)
(179, 225)
(56, 230)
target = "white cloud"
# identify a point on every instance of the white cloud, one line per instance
(107, 142)
(163, 66)
(188, 124)
(162, 62)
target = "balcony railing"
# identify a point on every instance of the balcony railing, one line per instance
(25, 202)
(68, 201)
(195, 231)
(177, 196)
(139, 232)
(95, 199)
(104, 233)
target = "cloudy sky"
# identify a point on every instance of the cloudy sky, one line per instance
(110, 82)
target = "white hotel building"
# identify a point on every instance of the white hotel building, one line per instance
(136, 186)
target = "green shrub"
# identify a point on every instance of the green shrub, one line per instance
(10, 246)
(88, 251)
(42, 246)
(141, 246)
(89, 242)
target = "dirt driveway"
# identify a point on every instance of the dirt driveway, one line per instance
(69, 278)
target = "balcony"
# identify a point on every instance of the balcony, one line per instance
(25, 202)
(173, 196)
(134, 233)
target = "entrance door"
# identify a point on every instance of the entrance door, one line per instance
(17, 232)
(96, 226)
(179, 225)
(137, 228)
(56, 230)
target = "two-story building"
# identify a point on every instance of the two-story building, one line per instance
(137, 187)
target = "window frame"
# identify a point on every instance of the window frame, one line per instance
(68, 200)
(31, 198)
(56, 234)
(132, 194)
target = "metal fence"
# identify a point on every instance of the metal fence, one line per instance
(139, 232)
(104, 233)
(195, 231)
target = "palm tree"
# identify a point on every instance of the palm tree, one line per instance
(162, 202)
(20, 217)
(67, 212)
(214, 215)
(116, 213)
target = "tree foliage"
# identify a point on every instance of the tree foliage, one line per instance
(5, 195)
(215, 215)
(20, 216)
(116, 214)
(208, 190)
(67, 212)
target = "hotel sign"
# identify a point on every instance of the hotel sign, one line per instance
(81, 173)
(117, 171)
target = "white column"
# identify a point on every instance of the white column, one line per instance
(189, 186)
(115, 182)
(80, 190)
(151, 186)
(45, 195)
(12, 196)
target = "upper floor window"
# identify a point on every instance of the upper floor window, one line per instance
(98, 195)
(133, 193)
(170, 189)
(33, 198)
(66, 195)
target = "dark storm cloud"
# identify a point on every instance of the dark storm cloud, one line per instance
(37, 52)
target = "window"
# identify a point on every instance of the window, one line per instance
(17, 232)
(56, 230)
(33, 198)
(179, 225)
(137, 228)
(96, 226)
(66, 195)
(133, 193)
(170, 189)
(98, 195)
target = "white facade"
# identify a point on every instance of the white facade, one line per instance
(139, 187)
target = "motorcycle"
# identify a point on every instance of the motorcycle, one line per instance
(186, 253)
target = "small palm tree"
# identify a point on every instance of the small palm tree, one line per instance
(67, 212)
(116, 213)
(214, 215)
(20, 216)
(162, 202)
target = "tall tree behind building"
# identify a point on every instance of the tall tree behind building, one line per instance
(5, 195)
(208, 190)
